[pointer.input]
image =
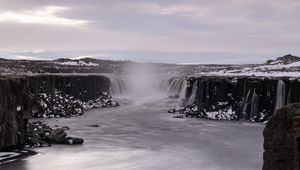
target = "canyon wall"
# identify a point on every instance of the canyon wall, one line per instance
(14, 111)
(282, 139)
(243, 98)
(16, 103)
(84, 87)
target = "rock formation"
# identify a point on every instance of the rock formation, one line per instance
(238, 98)
(14, 112)
(16, 104)
(282, 139)
(41, 135)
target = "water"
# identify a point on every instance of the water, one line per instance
(280, 95)
(118, 85)
(254, 105)
(192, 98)
(142, 136)
(174, 86)
(245, 105)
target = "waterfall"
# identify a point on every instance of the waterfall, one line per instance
(254, 105)
(245, 105)
(192, 98)
(117, 86)
(280, 95)
(174, 86)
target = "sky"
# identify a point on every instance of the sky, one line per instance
(169, 31)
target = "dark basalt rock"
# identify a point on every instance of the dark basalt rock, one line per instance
(46, 96)
(57, 105)
(57, 136)
(282, 139)
(249, 98)
(38, 133)
(72, 141)
(14, 112)
(287, 59)
(41, 135)
(84, 88)
(171, 111)
(93, 125)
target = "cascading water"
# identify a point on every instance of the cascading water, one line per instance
(254, 105)
(174, 87)
(245, 105)
(192, 98)
(280, 95)
(118, 86)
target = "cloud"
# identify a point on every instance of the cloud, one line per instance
(233, 30)
(179, 10)
(44, 15)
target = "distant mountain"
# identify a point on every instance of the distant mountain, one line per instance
(287, 59)
(286, 66)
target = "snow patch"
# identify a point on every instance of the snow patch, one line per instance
(75, 63)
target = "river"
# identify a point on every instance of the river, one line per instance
(142, 136)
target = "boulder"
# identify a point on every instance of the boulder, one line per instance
(171, 111)
(57, 136)
(72, 141)
(282, 139)
(93, 125)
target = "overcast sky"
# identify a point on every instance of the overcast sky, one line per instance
(189, 31)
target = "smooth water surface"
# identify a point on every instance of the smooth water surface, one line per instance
(142, 136)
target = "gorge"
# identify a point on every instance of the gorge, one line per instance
(141, 125)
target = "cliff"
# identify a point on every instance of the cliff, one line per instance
(281, 139)
(244, 98)
(14, 111)
(16, 103)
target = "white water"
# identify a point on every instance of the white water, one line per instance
(245, 105)
(174, 86)
(192, 98)
(118, 85)
(254, 105)
(280, 95)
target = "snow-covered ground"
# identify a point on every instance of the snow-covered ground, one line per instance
(79, 63)
(250, 72)
(287, 66)
(276, 70)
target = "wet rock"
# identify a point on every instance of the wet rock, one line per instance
(41, 135)
(282, 139)
(66, 128)
(72, 141)
(171, 111)
(57, 136)
(38, 133)
(178, 116)
(93, 125)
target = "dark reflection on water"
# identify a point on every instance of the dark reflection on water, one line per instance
(144, 137)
